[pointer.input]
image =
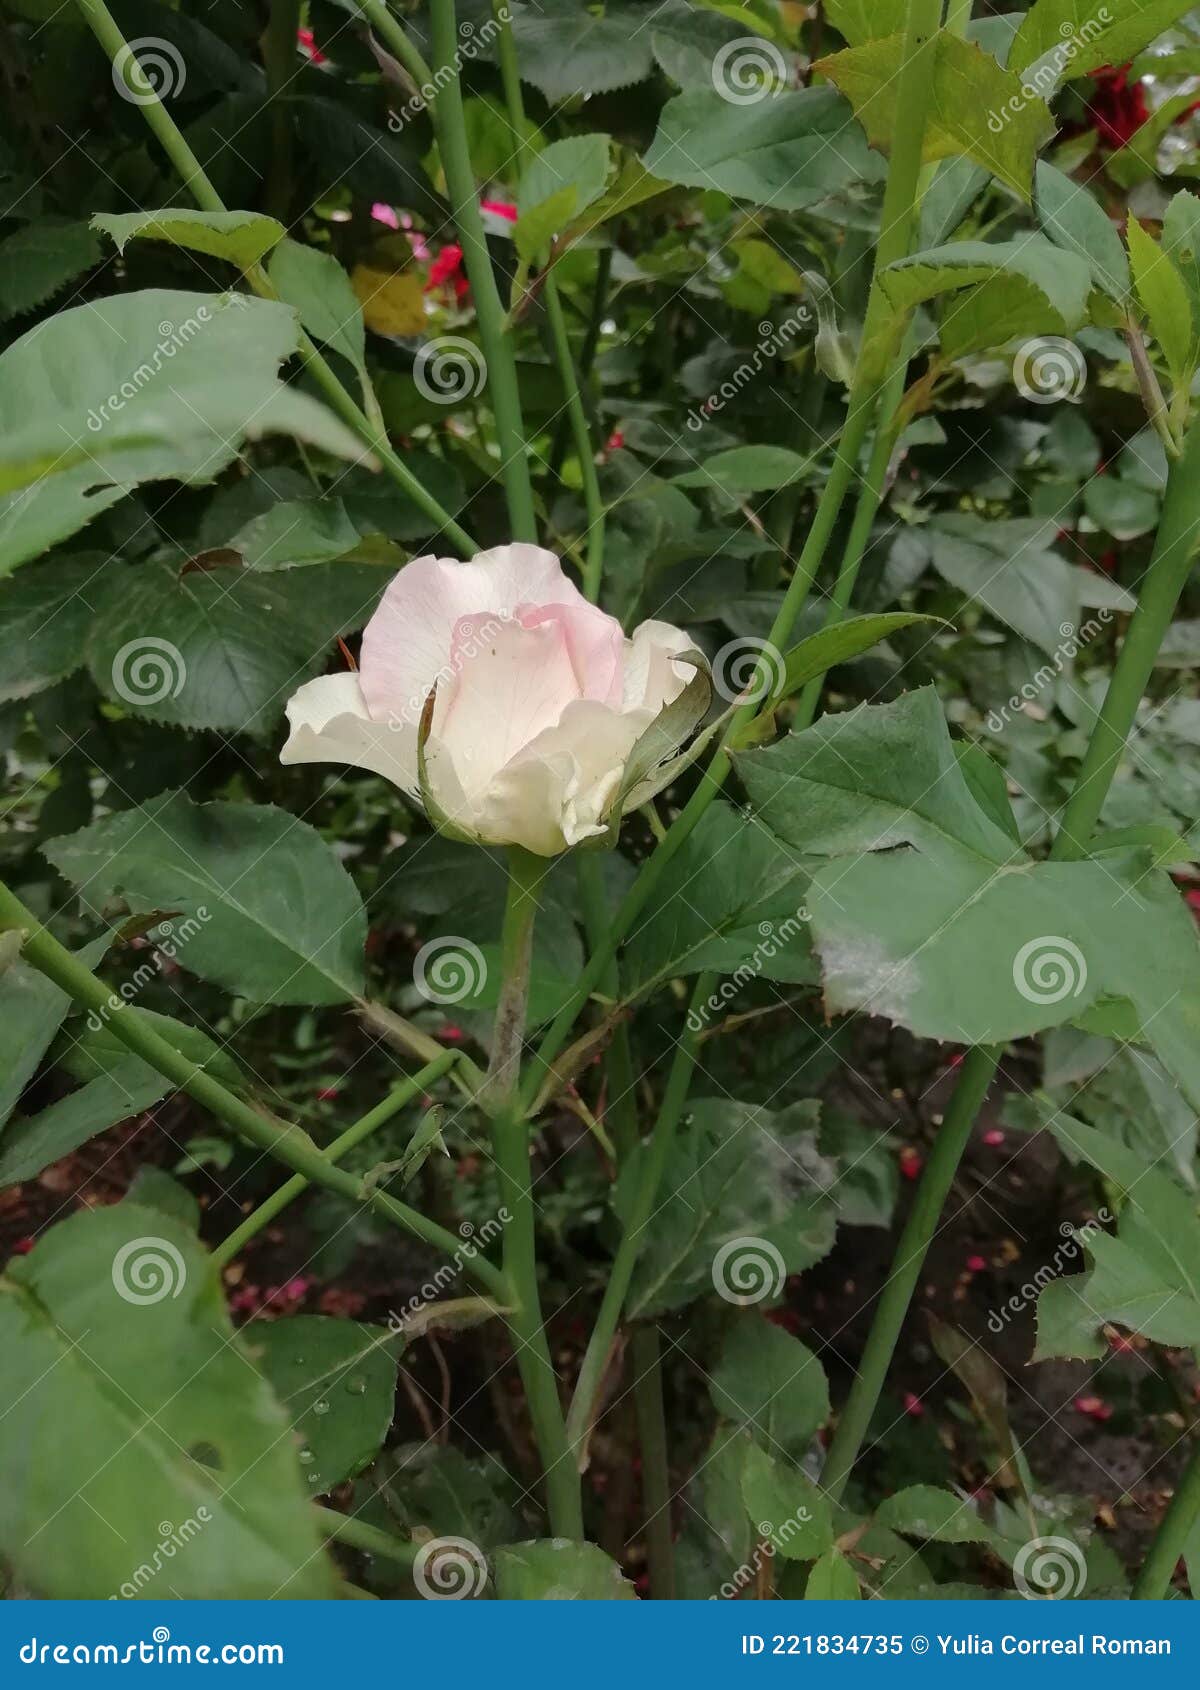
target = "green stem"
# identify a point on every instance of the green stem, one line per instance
(279, 57)
(493, 328)
(341, 1146)
(1174, 550)
(104, 27)
(359, 1534)
(587, 352)
(510, 1143)
(898, 220)
(641, 1209)
(646, 1361)
(1170, 1540)
(288, 1143)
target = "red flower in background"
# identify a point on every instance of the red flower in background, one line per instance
(304, 38)
(1118, 107)
(447, 270)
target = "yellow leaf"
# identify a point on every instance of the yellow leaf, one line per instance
(393, 302)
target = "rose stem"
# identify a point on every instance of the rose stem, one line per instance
(619, 1067)
(383, 1112)
(898, 218)
(1174, 550)
(104, 26)
(284, 1140)
(510, 1140)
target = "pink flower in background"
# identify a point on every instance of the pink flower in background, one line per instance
(540, 698)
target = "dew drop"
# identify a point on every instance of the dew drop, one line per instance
(357, 1386)
(320, 1407)
(307, 1458)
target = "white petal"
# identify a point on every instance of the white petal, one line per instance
(652, 679)
(330, 723)
(554, 792)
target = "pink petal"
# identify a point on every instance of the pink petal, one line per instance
(385, 214)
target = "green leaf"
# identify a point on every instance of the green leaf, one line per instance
(44, 616)
(239, 237)
(129, 1420)
(832, 1579)
(1181, 240)
(336, 1380)
(153, 1188)
(1067, 1325)
(1073, 219)
(747, 469)
(866, 20)
(745, 1200)
(1121, 508)
(143, 387)
(960, 938)
(32, 1009)
(1076, 37)
(566, 177)
(564, 49)
(39, 260)
(556, 1569)
(317, 286)
(977, 109)
(1017, 289)
(1011, 570)
(223, 648)
(733, 902)
(270, 912)
(787, 150)
(786, 1508)
(929, 1512)
(771, 1385)
(821, 652)
(295, 532)
(686, 39)
(1164, 299)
